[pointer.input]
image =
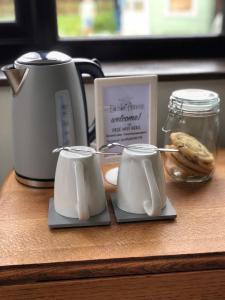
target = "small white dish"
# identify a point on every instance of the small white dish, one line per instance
(112, 175)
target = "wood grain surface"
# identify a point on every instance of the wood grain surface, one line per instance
(31, 252)
(206, 285)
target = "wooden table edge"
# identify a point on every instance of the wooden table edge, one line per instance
(21, 274)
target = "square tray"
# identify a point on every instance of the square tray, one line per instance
(55, 220)
(168, 212)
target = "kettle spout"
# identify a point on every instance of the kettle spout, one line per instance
(16, 77)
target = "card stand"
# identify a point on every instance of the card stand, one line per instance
(167, 213)
(55, 220)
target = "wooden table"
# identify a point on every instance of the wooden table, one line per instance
(181, 259)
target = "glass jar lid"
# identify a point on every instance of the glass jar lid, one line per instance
(194, 101)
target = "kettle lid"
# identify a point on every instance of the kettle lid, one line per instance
(43, 58)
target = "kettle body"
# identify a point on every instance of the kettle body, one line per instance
(48, 111)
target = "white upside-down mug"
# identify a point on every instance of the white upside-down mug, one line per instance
(79, 190)
(141, 181)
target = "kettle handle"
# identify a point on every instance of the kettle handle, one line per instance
(93, 68)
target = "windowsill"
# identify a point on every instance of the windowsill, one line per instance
(170, 70)
(167, 70)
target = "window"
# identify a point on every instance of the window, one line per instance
(105, 18)
(181, 6)
(7, 11)
(113, 29)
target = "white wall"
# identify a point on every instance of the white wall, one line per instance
(164, 91)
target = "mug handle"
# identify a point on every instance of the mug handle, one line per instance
(82, 201)
(152, 206)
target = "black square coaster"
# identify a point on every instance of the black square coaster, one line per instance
(55, 220)
(168, 212)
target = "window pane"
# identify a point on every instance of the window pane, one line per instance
(7, 10)
(139, 17)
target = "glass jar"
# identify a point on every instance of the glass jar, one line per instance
(192, 128)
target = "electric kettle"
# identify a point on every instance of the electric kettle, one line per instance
(49, 110)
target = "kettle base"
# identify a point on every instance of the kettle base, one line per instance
(34, 182)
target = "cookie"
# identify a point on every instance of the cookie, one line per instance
(207, 165)
(173, 166)
(186, 166)
(192, 149)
